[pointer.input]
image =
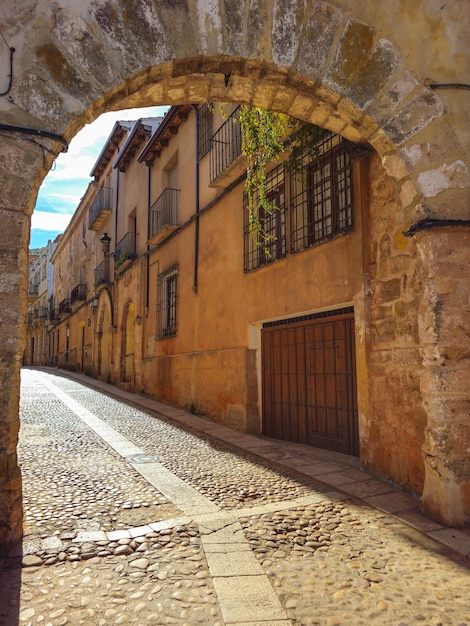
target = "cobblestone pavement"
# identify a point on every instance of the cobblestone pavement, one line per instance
(131, 518)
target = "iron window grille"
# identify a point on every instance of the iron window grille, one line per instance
(167, 289)
(269, 244)
(204, 130)
(321, 199)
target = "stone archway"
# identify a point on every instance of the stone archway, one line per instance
(354, 69)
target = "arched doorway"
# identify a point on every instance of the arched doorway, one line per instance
(349, 68)
(128, 346)
(104, 367)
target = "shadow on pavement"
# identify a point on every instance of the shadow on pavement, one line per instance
(10, 592)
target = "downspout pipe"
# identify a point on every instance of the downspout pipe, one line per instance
(117, 210)
(149, 196)
(197, 215)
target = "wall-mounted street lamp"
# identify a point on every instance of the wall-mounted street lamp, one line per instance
(105, 244)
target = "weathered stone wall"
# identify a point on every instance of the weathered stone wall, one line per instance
(395, 433)
(355, 68)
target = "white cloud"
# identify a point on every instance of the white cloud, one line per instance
(43, 220)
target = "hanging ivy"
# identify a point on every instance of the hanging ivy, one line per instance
(263, 134)
(268, 136)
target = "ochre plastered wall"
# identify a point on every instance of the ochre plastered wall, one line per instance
(355, 68)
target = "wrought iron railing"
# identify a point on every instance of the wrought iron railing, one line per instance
(78, 294)
(164, 211)
(102, 273)
(125, 250)
(33, 289)
(102, 202)
(64, 307)
(40, 313)
(226, 145)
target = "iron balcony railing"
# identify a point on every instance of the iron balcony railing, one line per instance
(78, 294)
(164, 211)
(125, 250)
(102, 273)
(226, 145)
(64, 307)
(33, 289)
(40, 313)
(102, 202)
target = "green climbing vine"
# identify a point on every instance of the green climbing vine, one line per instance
(263, 134)
(268, 136)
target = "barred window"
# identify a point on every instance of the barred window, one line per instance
(270, 243)
(167, 300)
(321, 195)
(204, 130)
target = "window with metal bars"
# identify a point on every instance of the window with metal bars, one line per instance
(267, 242)
(204, 130)
(167, 284)
(321, 204)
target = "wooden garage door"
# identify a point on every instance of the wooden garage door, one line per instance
(309, 381)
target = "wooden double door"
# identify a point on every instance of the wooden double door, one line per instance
(309, 381)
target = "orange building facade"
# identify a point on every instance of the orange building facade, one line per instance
(159, 288)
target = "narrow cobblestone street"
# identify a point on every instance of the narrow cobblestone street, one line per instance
(137, 513)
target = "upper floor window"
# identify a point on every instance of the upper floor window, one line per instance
(314, 203)
(167, 284)
(266, 241)
(321, 200)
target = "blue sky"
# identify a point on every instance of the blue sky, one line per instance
(66, 183)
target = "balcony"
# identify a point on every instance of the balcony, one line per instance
(125, 251)
(78, 295)
(227, 163)
(102, 274)
(101, 208)
(33, 291)
(164, 215)
(64, 308)
(38, 316)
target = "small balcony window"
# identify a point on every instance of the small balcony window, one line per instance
(227, 162)
(102, 273)
(164, 215)
(64, 307)
(101, 208)
(78, 294)
(125, 250)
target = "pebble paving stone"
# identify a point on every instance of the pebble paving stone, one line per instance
(105, 547)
